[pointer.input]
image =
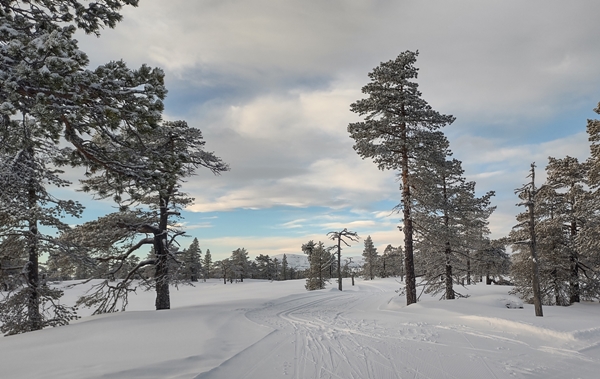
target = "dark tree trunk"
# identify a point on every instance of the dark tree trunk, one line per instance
(574, 279)
(468, 269)
(33, 280)
(448, 252)
(537, 297)
(339, 262)
(163, 298)
(411, 283)
(449, 287)
(33, 303)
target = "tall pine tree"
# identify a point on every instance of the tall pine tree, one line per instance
(398, 133)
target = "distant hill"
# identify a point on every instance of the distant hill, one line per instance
(300, 261)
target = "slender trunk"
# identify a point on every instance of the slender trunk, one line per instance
(411, 283)
(163, 299)
(352, 278)
(537, 298)
(449, 287)
(33, 302)
(339, 262)
(574, 279)
(556, 288)
(468, 269)
(448, 252)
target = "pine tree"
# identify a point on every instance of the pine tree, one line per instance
(192, 266)
(26, 154)
(527, 221)
(569, 177)
(341, 236)
(239, 264)
(398, 133)
(391, 262)
(207, 264)
(371, 259)
(284, 267)
(320, 260)
(450, 220)
(264, 267)
(164, 155)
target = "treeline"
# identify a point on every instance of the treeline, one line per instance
(488, 263)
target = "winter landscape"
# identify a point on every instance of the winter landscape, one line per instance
(262, 329)
(299, 189)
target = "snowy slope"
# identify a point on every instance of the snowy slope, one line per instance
(259, 329)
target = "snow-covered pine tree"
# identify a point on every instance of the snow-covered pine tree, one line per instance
(264, 267)
(565, 224)
(490, 260)
(568, 180)
(240, 265)
(525, 235)
(277, 268)
(284, 267)
(163, 156)
(207, 264)
(320, 259)
(42, 80)
(43, 74)
(396, 134)
(447, 216)
(341, 236)
(391, 262)
(371, 259)
(27, 150)
(192, 265)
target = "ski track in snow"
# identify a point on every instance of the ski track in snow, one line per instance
(330, 335)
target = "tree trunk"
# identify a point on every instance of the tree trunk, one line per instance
(33, 303)
(411, 283)
(468, 269)
(448, 252)
(574, 279)
(339, 262)
(163, 298)
(537, 298)
(449, 287)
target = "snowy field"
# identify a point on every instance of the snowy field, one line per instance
(265, 330)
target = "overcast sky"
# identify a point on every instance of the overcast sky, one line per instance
(269, 83)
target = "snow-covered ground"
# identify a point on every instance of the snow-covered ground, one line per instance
(268, 330)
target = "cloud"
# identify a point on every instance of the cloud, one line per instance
(270, 85)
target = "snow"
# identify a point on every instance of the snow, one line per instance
(262, 329)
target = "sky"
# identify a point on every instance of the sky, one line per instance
(270, 85)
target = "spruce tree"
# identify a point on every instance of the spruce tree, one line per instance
(207, 264)
(320, 260)
(239, 264)
(398, 133)
(284, 267)
(192, 265)
(371, 259)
